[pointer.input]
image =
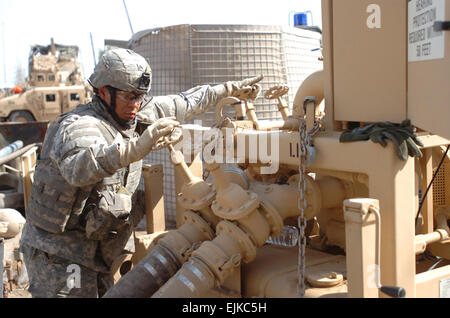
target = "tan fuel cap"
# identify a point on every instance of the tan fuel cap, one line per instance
(322, 279)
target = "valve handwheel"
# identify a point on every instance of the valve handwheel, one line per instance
(276, 92)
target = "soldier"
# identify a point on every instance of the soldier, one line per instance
(84, 203)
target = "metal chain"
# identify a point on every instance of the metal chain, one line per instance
(305, 140)
(302, 203)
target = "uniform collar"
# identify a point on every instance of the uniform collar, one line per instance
(101, 109)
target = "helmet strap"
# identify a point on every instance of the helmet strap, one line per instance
(112, 109)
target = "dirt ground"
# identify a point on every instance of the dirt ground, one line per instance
(18, 293)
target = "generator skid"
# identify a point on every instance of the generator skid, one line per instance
(301, 213)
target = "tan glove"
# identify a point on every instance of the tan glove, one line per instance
(234, 87)
(151, 139)
(175, 136)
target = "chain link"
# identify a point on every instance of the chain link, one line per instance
(305, 141)
(302, 203)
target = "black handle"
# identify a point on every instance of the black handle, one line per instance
(441, 26)
(393, 291)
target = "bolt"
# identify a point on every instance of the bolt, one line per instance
(333, 275)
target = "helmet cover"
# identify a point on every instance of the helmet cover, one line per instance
(124, 70)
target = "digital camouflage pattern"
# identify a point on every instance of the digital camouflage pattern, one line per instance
(55, 277)
(80, 151)
(122, 69)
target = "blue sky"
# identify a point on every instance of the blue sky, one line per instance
(27, 22)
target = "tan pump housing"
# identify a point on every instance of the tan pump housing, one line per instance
(359, 201)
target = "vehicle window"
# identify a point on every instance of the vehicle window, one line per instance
(51, 78)
(40, 78)
(50, 97)
(74, 96)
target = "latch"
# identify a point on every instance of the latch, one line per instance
(441, 26)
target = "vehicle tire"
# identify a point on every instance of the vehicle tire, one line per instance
(21, 116)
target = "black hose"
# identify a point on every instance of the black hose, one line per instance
(193, 280)
(153, 271)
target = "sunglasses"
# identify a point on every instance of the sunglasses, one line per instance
(127, 97)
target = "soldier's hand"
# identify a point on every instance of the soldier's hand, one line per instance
(172, 138)
(234, 87)
(151, 139)
(161, 128)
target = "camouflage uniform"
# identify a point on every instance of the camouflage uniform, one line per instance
(84, 203)
(76, 152)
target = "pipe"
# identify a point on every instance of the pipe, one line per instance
(348, 176)
(423, 240)
(264, 125)
(147, 276)
(196, 194)
(176, 246)
(442, 215)
(16, 145)
(246, 226)
(236, 239)
(226, 101)
(284, 197)
(311, 86)
(191, 282)
(18, 153)
(163, 261)
(249, 110)
(213, 260)
(442, 232)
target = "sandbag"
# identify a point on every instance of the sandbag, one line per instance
(14, 220)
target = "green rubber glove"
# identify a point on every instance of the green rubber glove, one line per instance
(403, 136)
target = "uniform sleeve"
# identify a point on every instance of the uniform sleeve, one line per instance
(183, 106)
(82, 153)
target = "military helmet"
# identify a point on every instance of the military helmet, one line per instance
(122, 69)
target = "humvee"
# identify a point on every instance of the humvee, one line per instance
(55, 85)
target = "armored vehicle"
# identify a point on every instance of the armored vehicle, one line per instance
(55, 85)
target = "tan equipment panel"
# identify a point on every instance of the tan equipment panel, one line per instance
(369, 48)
